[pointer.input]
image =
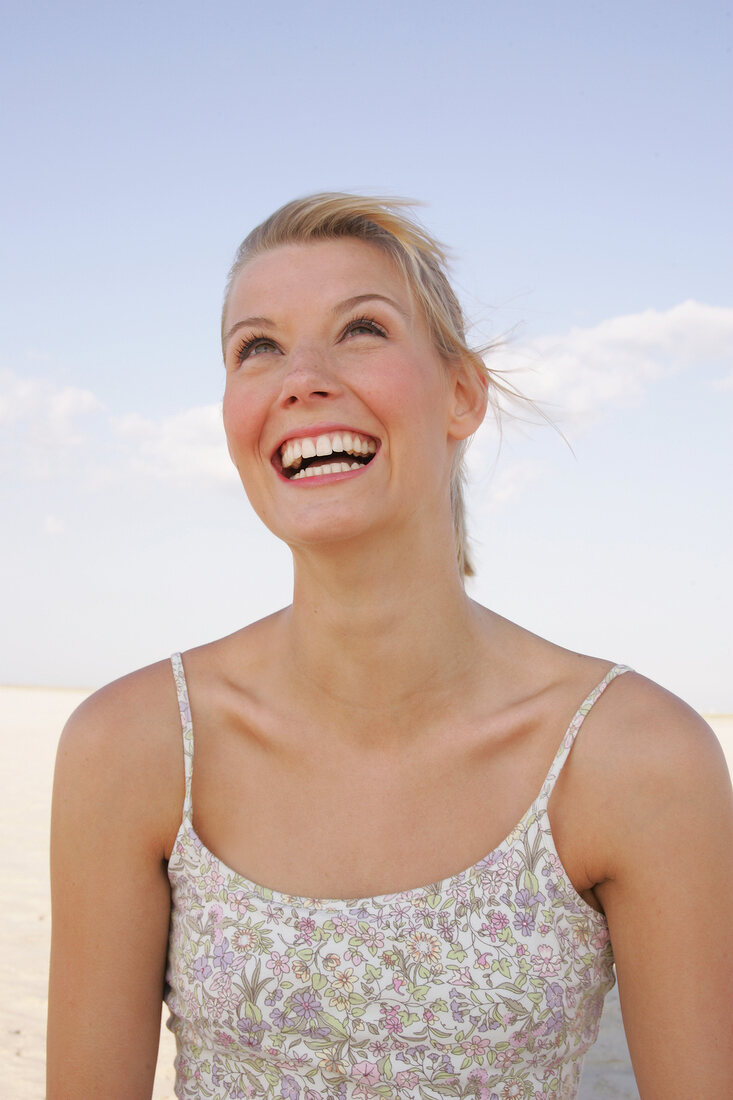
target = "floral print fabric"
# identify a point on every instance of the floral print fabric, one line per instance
(489, 984)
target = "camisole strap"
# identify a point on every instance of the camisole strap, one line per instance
(184, 708)
(572, 731)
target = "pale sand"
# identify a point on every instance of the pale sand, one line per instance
(30, 721)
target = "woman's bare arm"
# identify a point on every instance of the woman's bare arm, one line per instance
(669, 897)
(116, 782)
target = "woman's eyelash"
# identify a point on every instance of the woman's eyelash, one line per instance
(248, 344)
(365, 322)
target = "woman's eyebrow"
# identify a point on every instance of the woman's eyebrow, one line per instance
(340, 307)
(349, 303)
(251, 322)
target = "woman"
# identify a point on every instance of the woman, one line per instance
(381, 733)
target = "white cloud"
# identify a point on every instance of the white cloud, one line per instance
(49, 411)
(41, 423)
(581, 374)
(724, 383)
(577, 377)
(187, 444)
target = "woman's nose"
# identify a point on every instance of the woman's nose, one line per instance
(308, 377)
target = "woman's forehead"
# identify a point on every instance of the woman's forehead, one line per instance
(317, 271)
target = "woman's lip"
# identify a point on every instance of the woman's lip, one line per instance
(322, 479)
(322, 429)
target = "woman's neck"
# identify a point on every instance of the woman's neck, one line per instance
(381, 634)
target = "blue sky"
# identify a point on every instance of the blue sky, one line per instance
(574, 156)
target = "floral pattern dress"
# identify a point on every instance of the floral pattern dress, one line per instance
(489, 984)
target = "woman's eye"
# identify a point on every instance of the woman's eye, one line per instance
(364, 325)
(253, 345)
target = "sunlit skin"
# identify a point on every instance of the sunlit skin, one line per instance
(331, 361)
(384, 731)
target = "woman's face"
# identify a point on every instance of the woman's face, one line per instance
(339, 412)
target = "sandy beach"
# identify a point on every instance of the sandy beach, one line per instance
(30, 722)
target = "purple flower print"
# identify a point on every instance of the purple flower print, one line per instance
(524, 923)
(553, 995)
(223, 957)
(527, 901)
(201, 968)
(290, 1089)
(251, 1033)
(306, 1004)
(280, 1019)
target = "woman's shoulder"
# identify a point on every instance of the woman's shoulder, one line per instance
(643, 724)
(121, 750)
(645, 766)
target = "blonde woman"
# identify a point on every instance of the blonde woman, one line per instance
(382, 843)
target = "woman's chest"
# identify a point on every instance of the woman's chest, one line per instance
(334, 824)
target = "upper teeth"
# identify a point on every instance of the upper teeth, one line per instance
(295, 450)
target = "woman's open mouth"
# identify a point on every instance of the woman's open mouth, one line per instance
(330, 453)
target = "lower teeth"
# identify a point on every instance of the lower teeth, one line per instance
(330, 468)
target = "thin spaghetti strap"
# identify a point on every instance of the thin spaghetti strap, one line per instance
(572, 731)
(187, 729)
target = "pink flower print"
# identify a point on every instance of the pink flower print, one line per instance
(475, 1047)
(522, 949)
(463, 977)
(213, 882)
(428, 1015)
(397, 983)
(306, 927)
(458, 890)
(507, 867)
(353, 956)
(391, 1020)
(365, 1072)
(240, 903)
(224, 996)
(344, 926)
(544, 963)
(278, 963)
(372, 939)
(484, 960)
(599, 939)
(224, 1039)
(406, 1079)
(497, 922)
(512, 1089)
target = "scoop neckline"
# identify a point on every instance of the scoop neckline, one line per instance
(430, 889)
(434, 889)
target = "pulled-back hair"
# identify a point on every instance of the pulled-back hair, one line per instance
(422, 260)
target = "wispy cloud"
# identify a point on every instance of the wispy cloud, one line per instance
(580, 374)
(187, 444)
(40, 422)
(577, 376)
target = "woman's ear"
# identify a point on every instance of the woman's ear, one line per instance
(469, 393)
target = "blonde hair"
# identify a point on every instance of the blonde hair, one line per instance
(423, 263)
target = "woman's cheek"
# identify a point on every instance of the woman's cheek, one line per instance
(240, 417)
